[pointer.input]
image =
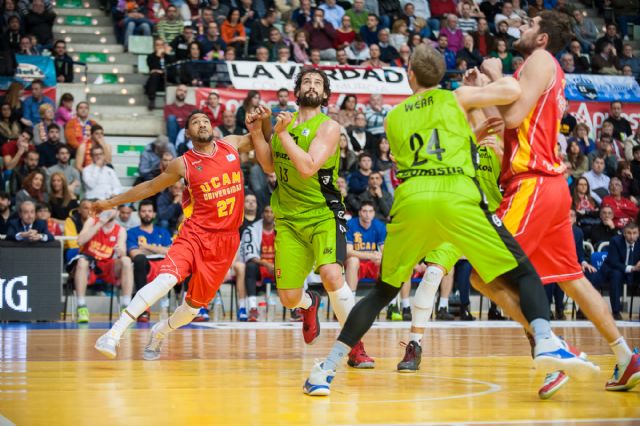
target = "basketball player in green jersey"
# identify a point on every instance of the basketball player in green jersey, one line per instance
(308, 207)
(434, 147)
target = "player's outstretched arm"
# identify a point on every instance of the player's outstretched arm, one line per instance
(323, 146)
(504, 91)
(173, 173)
(535, 77)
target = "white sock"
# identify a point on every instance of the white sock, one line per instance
(444, 303)
(342, 301)
(304, 302)
(183, 315)
(252, 302)
(147, 296)
(405, 302)
(126, 300)
(82, 301)
(424, 298)
(242, 303)
(621, 350)
(416, 337)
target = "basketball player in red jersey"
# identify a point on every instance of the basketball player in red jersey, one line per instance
(536, 203)
(208, 239)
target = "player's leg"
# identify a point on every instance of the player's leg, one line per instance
(352, 266)
(442, 314)
(251, 278)
(141, 269)
(293, 261)
(80, 280)
(209, 269)
(402, 252)
(177, 265)
(124, 271)
(627, 372)
(330, 252)
(463, 284)
(405, 300)
(507, 260)
(239, 269)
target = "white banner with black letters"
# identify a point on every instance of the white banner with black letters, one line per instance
(247, 75)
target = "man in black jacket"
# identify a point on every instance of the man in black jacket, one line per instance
(62, 62)
(623, 265)
(39, 22)
(11, 36)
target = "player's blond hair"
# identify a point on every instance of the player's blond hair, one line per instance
(428, 65)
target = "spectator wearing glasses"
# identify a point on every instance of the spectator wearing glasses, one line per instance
(100, 180)
(26, 227)
(83, 154)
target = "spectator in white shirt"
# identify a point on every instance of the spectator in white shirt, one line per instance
(100, 181)
(512, 18)
(598, 181)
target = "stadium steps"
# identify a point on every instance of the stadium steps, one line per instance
(112, 84)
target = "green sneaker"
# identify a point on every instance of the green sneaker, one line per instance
(393, 313)
(83, 315)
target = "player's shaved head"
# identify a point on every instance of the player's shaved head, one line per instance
(427, 66)
(198, 127)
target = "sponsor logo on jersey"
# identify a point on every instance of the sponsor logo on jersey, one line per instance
(231, 157)
(306, 132)
(496, 220)
(278, 273)
(326, 180)
(328, 250)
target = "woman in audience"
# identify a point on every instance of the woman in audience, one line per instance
(13, 97)
(581, 137)
(345, 34)
(8, 11)
(414, 41)
(61, 199)
(250, 103)
(9, 128)
(347, 157)
(232, 31)
(301, 48)
(399, 34)
(585, 206)
(65, 110)
(504, 55)
(624, 210)
(347, 113)
(33, 189)
(626, 177)
(382, 161)
(40, 129)
(579, 161)
(191, 72)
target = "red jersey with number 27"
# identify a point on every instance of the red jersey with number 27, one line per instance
(213, 199)
(531, 148)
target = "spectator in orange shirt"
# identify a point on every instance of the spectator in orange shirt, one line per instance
(78, 129)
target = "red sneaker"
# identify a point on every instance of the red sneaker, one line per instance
(630, 376)
(145, 316)
(310, 321)
(358, 358)
(552, 384)
(253, 315)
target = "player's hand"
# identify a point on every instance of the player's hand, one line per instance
(264, 112)
(282, 122)
(253, 122)
(492, 126)
(270, 267)
(98, 207)
(474, 77)
(492, 67)
(119, 252)
(376, 257)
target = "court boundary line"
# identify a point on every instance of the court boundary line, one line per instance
(5, 421)
(518, 422)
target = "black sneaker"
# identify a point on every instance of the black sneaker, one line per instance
(412, 358)
(466, 314)
(444, 315)
(617, 316)
(580, 315)
(393, 313)
(495, 315)
(406, 314)
(560, 316)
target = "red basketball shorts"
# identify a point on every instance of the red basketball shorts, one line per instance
(206, 257)
(368, 269)
(536, 211)
(104, 270)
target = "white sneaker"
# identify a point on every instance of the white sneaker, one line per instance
(549, 356)
(152, 350)
(319, 381)
(107, 345)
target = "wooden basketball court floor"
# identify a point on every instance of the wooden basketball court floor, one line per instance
(235, 374)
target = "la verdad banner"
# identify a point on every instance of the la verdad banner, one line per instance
(232, 98)
(272, 76)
